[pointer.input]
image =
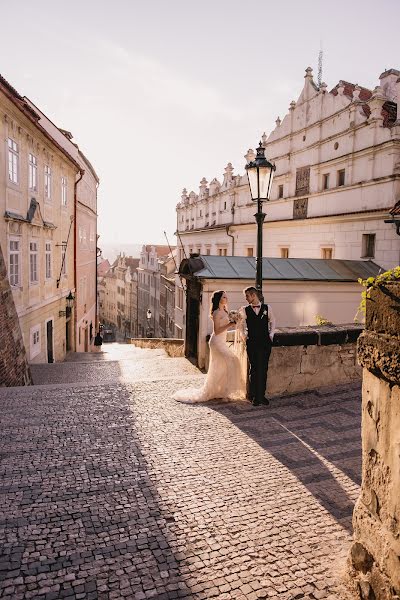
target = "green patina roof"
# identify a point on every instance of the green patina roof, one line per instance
(283, 269)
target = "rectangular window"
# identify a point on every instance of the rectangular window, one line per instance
(13, 161)
(223, 252)
(180, 298)
(33, 262)
(198, 250)
(32, 170)
(14, 264)
(201, 213)
(284, 252)
(368, 245)
(280, 191)
(224, 205)
(47, 182)
(327, 253)
(35, 341)
(63, 191)
(208, 250)
(250, 251)
(48, 260)
(340, 177)
(325, 181)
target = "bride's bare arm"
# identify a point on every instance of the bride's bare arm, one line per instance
(220, 324)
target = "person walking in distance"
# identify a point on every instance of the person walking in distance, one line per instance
(258, 328)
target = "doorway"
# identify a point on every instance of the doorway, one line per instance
(86, 339)
(49, 340)
(192, 320)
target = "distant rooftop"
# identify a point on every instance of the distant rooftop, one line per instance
(281, 269)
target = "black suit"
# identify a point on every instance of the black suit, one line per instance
(259, 347)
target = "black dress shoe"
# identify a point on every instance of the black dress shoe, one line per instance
(256, 403)
(265, 402)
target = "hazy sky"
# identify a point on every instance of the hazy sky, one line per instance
(160, 93)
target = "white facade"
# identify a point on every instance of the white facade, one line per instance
(149, 290)
(337, 157)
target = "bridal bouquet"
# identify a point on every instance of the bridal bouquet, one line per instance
(234, 316)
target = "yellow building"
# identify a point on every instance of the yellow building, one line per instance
(37, 199)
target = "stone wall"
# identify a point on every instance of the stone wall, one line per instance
(307, 358)
(14, 369)
(374, 562)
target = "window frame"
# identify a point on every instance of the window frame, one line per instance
(64, 191)
(48, 252)
(35, 340)
(33, 254)
(15, 283)
(47, 183)
(13, 161)
(325, 181)
(341, 182)
(284, 250)
(328, 250)
(365, 245)
(32, 172)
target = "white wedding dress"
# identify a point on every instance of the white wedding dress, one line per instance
(224, 377)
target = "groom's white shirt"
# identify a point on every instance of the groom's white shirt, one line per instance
(243, 321)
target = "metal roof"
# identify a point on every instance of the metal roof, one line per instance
(283, 269)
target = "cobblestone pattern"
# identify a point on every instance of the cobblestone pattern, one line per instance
(116, 491)
(118, 363)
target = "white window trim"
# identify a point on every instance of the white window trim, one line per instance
(15, 155)
(64, 192)
(35, 348)
(47, 183)
(32, 172)
(36, 281)
(46, 253)
(19, 240)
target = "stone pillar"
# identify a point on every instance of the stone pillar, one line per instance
(14, 369)
(374, 561)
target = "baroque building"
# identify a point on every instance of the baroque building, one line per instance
(337, 156)
(118, 296)
(85, 237)
(37, 190)
(149, 286)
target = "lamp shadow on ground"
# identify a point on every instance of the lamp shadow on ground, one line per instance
(316, 436)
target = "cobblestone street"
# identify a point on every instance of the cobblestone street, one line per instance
(110, 489)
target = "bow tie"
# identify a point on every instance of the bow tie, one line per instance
(256, 306)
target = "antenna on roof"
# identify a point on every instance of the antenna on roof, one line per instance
(320, 57)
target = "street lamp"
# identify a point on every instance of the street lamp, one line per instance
(70, 300)
(260, 173)
(148, 315)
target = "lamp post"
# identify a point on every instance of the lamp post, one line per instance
(260, 173)
(148, 316)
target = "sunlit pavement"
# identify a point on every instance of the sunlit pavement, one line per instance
(110, 489)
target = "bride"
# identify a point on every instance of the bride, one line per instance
(224, 379)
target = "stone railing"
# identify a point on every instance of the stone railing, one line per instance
(374, 562)
(307, 358)
(172, 346)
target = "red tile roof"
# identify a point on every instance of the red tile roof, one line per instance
(389, 109)
(160, 250)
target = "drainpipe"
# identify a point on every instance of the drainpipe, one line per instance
(229, 234)
(82, 172)
(96, 316)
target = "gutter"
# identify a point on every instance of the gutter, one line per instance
(82, 172)
(233, 239)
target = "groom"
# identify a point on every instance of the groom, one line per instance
(260, 325)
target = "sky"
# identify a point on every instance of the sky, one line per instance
(161, 93)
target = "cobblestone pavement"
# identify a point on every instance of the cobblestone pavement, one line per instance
(116, 491)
